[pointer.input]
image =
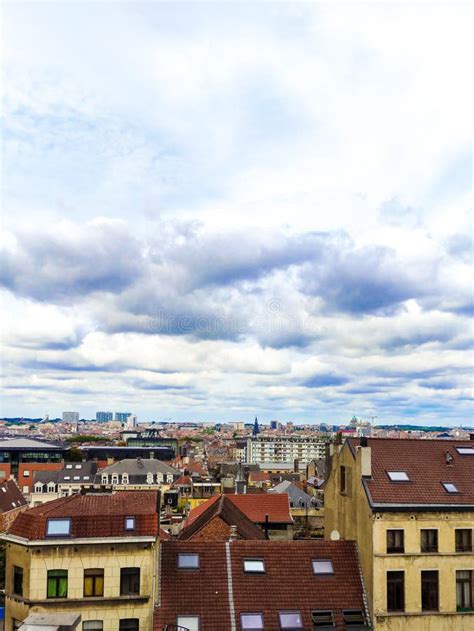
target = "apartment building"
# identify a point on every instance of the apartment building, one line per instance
(74, 477)
(410, 506)
(93, 555)
(261, 448)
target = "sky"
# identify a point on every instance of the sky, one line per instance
(217, 210)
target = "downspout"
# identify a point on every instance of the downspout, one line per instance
(230, 587)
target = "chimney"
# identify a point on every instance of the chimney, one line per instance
(365, 461)
(233, 533)
(265, 529)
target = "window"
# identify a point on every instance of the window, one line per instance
(464, 591)
(252, 621)
(26, 473)
(449, 487)
(38, 487)
(105, 479)
(115, 478)
(149, 478)
(463, 540)
(342, 480)
(188, 622)
(67, 477)
(322, 619)
(51, 487)
(58, 527)
(78, 466)
(57, 584)
(129, 523)
(395, 541)
(92, 625)
(290, 620)
(94, 582)
(18, 580)
(354, 618)
(188, 561)
(125, 479)
(69, 466)
(254, 566)
(77, 477)
(465, 451)
(429, 540)
(429, 590)
(398, 476)
(128, 624)
(395, 591)
(322, 566)
(129, 581)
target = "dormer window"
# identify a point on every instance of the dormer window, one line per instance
(51, 488)
(398, 476)
(188, 561)
(169, 478)
(105, 479)
(322, 566)
(115, 478)
(254, 566)
(149, 478)
(59, 527)
(125, 479)
(449, 487)
(159, 477)
(38, 488)
(69, 466)
(129, 523)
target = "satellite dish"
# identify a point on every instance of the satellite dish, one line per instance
(335, 536)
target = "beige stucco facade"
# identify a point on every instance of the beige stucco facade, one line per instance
(110, 556)
(350, 514)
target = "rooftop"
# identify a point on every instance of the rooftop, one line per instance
(10, 497)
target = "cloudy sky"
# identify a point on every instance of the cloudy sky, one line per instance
(217, 210)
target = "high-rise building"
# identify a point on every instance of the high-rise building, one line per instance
(103, 417)
(122, 417)
(70, 417)
(132, 421)
(273, 448)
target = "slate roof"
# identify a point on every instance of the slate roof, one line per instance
(85, 471)
(254, 506)
(27, 443)
(224, 508)
(10, 497)
(288, 583)
(139, 467)
(93, 515)
(297, 496)
(425, 462)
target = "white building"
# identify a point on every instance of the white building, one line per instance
(70, 417)
(284, 449)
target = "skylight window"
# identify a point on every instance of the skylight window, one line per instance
(188, 561)
(58, 527)
(67, 477)
(290, 620)
(69, 466)
(129, 523)
(251, 621)
(322, 619)
(398, 476)
(450, 487)
(254, 566)
(322, 566)
(77, 477)
(465, 451)
(353, 618)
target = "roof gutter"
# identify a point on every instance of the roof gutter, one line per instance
(22, 541)
(230, 587)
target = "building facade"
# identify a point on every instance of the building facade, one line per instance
(95, 555)
(273, 448)
(410, 506)
(70, 417)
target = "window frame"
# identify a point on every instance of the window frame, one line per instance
(254, 560)
(95, 574)
(395, 533)
(134, 523)
(55, 577)
(324, 623)
(183, 555)
(252, 613)
(17, 572)
(427, 581)
(196, 617)
(128, 574)
(399, 579)
(135, 627)
(90, 622)
(428, 548)
(465, 581)
(331, 573)
(287, 612)
(402, 480)
(64, 520)
(461, 546)
(450, 488)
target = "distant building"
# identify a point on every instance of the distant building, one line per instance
(70, 417)
(122, 417)
(273, 425)
(256, 428)
(132, 421)
(103, 417)
(20, 457)
(12, 503)
(73, 478)
(273, 448)
(137, 474)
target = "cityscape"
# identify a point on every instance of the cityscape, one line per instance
(236, 285)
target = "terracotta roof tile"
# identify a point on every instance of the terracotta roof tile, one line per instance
(425, 462)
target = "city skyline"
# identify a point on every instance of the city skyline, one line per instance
(251, 210)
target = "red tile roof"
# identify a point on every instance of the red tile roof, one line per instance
(254, 506)
(94, 515)
(228, 512)
(11, 497)
(425, 462)
(288, 583)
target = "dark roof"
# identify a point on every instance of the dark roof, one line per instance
(228, 512)
(288, 583)
(139, 467)
(85, 471)
(94, 515)
(10, 497)
(18, 444)
(425, 462)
